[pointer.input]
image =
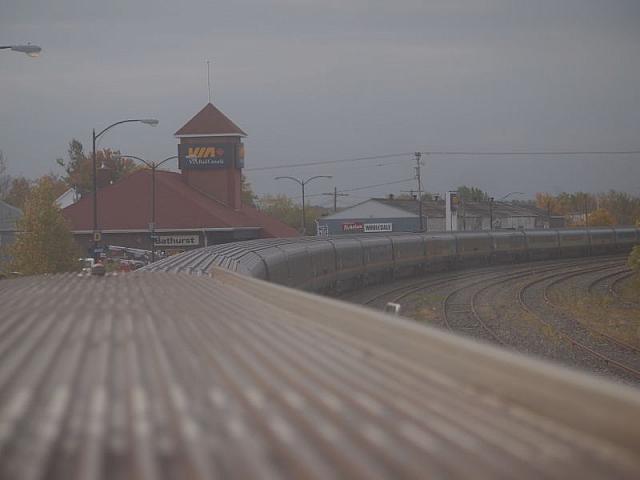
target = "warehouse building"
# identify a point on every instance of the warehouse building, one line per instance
(380, 215)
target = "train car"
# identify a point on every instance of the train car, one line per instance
(323, 264)
(509, 246)
(542, 244)
(250, 263)
(440, 251)
(377, 255)
(349, 263)
(474, 248)
(299, 266)
(626, 238)
(408, 254)
(275, 262)
(574, 243)
(602, 240)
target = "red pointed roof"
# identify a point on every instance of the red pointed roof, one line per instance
(210, 121)
(126, 205)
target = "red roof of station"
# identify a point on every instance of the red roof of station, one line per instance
(126, 205)
(210, 121)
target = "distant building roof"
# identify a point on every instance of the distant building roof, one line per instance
(437, 208)
(210, 122)
(429, 208)
(9, 215)
(69, 197)
(126, 205)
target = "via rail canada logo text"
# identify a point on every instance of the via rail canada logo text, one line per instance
(205, 152)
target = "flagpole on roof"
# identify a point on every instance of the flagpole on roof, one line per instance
(209, 79)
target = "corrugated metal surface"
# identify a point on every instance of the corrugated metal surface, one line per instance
(163, 375)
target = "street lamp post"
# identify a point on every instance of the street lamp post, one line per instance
(509, 194)
(153, 166)
(149, 121)
(31, 50)
(302, 183)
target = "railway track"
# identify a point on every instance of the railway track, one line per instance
(397, 293)
(613, 289)
(622, 273)
(460, 307)
(576, 333)
(471, 306)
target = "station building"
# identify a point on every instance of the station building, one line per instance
(198, 206)
(383, 215)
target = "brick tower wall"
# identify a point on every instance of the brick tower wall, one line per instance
(223, 184)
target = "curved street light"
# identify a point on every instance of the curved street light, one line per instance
(153, 166)
(96, 236)
(302, 183)
(31, 50)
(509, 194)
(499, 200)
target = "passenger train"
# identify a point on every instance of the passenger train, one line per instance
(335, 264)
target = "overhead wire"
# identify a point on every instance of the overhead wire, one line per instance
(447, 152)
(364, 187)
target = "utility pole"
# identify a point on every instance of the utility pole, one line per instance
(335, 195)
(417, 167)
(586, 211)
(490, 213)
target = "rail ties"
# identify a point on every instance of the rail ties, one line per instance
(618, 355)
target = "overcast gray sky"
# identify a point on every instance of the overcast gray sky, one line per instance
(323, 80)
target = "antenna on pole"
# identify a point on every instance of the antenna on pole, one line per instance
(419, 179)
(209, 79)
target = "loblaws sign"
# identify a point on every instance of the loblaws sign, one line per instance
(210, 156)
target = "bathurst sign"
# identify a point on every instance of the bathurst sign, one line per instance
(177, 240)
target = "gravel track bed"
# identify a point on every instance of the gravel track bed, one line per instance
(597, 353)
(483, 303)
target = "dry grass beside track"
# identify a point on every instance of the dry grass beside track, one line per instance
(630, 290)
(602, 313)
(427, 309)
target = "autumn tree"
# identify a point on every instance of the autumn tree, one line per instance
(287, 211)
(5, 178)
(19, 189)
(548, 203)
(247, 196)
(634, 264)
(624, 207)
(601, 218)
(44, 243)
(79, 166)
(472, 194)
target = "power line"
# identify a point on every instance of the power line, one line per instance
(560, 152)
(449, 152)
(377, 185)
(328, 162)
(364, 187)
